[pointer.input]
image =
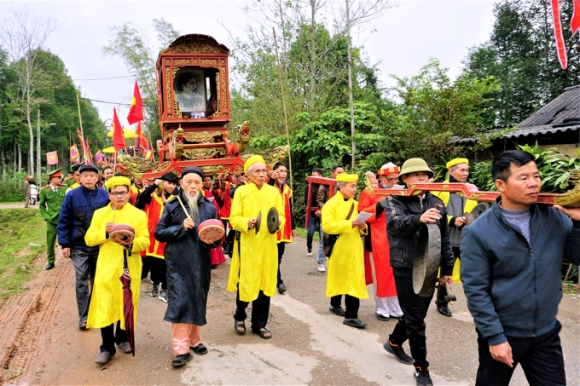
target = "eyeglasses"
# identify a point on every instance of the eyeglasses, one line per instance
(118, 194)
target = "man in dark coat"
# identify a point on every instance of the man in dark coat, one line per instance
(188, 264)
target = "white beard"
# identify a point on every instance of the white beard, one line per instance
(192, 203)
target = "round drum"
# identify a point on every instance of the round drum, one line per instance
(210, 231)
(122, 234)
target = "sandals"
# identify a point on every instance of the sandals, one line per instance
(240, 327)
(83, 324)
(263, 333)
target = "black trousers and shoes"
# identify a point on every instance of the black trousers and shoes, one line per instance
(411, 325)
(351, 313)
(260, 311)
(442, 304)
(541, 358)
(110, 336)
(280, 283)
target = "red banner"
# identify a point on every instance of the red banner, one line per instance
(52, 158)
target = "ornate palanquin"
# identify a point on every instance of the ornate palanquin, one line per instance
(194, 109)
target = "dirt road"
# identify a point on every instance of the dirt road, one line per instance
(41, 344)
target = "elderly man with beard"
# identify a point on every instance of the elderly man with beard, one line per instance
(188, 265)
(253, 273)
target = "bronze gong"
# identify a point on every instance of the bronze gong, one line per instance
(427, 260)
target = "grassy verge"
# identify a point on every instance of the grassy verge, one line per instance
(570, 288)
(22, 239)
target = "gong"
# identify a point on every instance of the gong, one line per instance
(477, 211)
(272, 220)
(258, 221)
(427, 260)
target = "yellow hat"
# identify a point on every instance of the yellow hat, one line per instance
(345, 177)
(253, 160)
(457, 161)
(118, 181)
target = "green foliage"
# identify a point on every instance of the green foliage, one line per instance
(521, 54)
(554, 167)
(22, 239)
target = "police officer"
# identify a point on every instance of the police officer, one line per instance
(51, 198)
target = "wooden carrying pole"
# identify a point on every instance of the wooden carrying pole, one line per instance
(285, 114)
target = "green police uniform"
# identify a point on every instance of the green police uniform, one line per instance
(50, 203)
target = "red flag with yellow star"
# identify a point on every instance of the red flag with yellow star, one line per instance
(136, 109)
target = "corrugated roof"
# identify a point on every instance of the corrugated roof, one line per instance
(535, 130)
(566, 105)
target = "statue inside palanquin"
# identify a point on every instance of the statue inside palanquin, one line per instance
(196, 92)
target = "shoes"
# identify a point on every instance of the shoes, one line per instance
(398, 352)
(240, 327)
(337, 310)
(200, 349)
(125, 347)
(381, 317)
(443, 309)
(49, 266)
(214, 266)
(83, 325)
(263, 332)
(104, 357)
(155, 290)
(163, 295)
(422, 376)
(321, 267)
(180, 360)
(281, 288)
(309, 252)
(354, 322)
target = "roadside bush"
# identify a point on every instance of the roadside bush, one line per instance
(11, 187)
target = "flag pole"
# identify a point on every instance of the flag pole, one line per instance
(80, 118)
(284, 108)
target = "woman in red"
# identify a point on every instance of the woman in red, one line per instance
(378, 269)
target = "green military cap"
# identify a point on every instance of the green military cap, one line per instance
(55, 173)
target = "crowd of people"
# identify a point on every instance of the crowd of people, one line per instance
(510, 257)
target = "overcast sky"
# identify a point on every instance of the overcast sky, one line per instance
(402, 40)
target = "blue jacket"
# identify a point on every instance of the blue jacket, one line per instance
(76, 214)
(514, 288)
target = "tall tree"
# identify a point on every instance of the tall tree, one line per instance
(23, 35)
(521, 53)
(131, 44)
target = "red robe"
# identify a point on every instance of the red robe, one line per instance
(385, 285)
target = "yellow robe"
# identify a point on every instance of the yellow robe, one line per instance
(469, 205)
(255, 260)
(106, 305)
(346, 266)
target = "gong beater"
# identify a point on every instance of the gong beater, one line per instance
(427, 260)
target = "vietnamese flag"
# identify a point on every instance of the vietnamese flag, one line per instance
(118, 138)
(136, 109)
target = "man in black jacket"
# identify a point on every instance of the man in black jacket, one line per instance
(511, 271)
(405, 218)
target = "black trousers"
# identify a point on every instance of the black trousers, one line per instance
(352, 305)
(541, 358)
(146, 267)
(158, 271)
(412, 324)
(441, 290)
(260, 310)
(110, 337)
(281, 248)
